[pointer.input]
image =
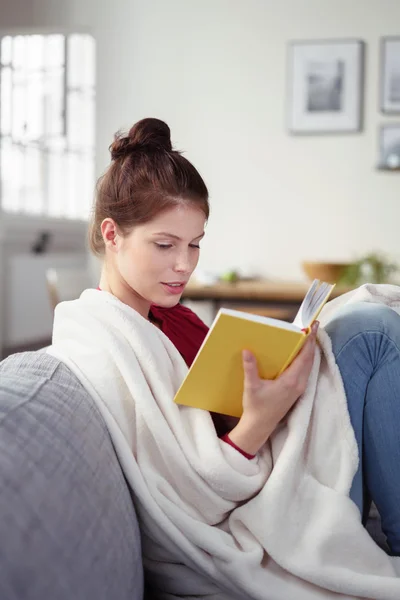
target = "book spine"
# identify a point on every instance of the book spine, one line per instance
(295, 352)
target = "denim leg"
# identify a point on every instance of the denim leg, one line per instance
(366, 343)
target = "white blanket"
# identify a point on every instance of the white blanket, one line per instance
(214, 524)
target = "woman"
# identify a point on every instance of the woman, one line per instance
(149, 268)
(149, 218)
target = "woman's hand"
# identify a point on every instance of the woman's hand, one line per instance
(266, 402)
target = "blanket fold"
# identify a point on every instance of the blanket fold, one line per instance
(214, 524)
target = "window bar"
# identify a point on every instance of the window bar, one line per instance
(24, 146)
(43, 144)
(16, 208)
(67, 148)
(11, 87)
(65, 86)
(1, 160)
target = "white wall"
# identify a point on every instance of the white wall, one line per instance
(216, 71)
(26, 316)
(27, 299)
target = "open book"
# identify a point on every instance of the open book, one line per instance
(214, 382)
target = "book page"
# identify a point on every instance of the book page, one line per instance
(298, 321)
(317, 295)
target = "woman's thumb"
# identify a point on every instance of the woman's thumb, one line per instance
(250, 369)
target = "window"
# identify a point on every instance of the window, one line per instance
(47, 125)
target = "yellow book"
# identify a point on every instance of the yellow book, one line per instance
(214, 382)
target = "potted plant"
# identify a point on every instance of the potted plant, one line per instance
(372, 268)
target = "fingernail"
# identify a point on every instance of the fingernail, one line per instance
(246, 355)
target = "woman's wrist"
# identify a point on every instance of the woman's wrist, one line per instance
(250, 435)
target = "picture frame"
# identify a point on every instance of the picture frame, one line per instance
(389, 147)
(326, 86)
(390, 75)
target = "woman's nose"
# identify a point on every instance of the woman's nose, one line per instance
(183, 263)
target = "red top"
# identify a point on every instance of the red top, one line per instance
(183, 327)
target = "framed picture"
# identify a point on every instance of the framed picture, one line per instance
(326, 86)
(390, 75)
(389, 147)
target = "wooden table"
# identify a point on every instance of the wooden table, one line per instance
(280, 299)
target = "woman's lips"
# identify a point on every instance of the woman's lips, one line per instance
(174, 287)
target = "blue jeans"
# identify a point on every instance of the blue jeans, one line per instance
(366, 343)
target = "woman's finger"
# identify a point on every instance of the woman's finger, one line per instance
(251, 376)
(301, 367)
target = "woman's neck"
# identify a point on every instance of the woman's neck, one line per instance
(111, 282)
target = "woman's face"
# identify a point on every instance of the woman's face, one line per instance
(155, 261)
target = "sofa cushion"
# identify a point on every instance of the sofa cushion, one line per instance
(67, 523)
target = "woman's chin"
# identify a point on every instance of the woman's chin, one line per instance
(167, 302)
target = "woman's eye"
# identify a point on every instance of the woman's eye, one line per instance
(167, 246)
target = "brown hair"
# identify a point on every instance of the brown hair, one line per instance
(146, 176)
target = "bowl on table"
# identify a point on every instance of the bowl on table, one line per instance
(325, 271)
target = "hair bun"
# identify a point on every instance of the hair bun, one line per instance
(146, 135)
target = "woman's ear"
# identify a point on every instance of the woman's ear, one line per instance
(109, 231)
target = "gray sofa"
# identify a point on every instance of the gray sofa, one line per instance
(68, 529)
